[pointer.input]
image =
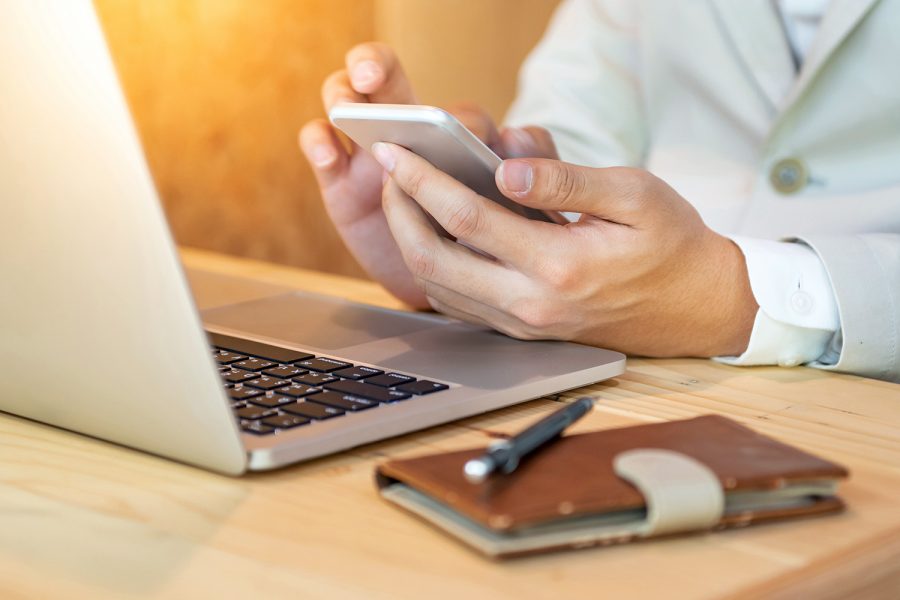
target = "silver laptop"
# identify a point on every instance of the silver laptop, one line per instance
(99, 333)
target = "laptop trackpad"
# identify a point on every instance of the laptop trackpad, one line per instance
(315, 322)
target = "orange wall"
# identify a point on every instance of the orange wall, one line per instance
(219, 89)
(463, 49)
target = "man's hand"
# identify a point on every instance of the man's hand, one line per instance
(351, 181)
(639, 272)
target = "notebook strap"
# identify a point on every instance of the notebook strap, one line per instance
(681, 493)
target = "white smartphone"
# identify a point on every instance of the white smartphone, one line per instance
(438, 137)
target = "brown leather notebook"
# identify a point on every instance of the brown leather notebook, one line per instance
(617, 485)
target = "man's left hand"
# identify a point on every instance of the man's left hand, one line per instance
(639, 272)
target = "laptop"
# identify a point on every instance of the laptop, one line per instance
(99, 333)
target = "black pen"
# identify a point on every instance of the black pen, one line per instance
(504, 456)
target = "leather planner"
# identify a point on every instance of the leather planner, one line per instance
(616, 486)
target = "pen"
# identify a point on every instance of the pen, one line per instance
(504, 456)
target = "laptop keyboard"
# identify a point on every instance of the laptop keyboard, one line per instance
(274, 389)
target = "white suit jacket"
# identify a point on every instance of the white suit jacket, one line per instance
(705, 94)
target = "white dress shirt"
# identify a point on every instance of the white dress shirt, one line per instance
(798, 319)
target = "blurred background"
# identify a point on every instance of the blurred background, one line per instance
(220, 88)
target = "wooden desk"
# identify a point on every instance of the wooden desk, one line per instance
(82, 518)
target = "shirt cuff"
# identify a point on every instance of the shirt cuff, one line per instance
(798, 315)
(775, 343)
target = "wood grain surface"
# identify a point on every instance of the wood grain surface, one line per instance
(80, 518)
(220, 88)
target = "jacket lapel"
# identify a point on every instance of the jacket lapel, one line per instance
(756, 35)
(841, 17)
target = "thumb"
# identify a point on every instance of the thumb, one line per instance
(613, 194)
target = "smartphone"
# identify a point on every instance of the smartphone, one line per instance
(438, 137)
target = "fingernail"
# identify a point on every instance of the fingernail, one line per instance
(384, 155)
(517, 176)
(365, 72)
(322, 156)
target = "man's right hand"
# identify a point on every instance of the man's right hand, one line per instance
(351, 181)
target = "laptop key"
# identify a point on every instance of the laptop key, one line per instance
(242, 346)
(254, 413)
(389, 379)
(256, 428)
(224, 357)
(298, 390)
(285, 421)
(422, 387)
(238, 376)
(372, 392)
(313, 378)
(253, 364)
(344, 401)
(322, 365)
(284, 372)
(272, 400)
(357, 372)
(312, 410)
(242, 393)
(267, 383)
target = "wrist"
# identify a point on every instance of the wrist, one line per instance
(730, 331)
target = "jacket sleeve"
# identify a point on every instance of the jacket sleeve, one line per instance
(865, 274)
(581, 83)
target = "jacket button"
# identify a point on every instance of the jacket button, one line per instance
(789, 175)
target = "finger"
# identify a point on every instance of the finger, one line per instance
(463, 308)
(464, 214)
(324, 151)
(336, 88)
(479, 122)
(375, 71)
(450, 311)
(527, 142)
(434, 260)
(614, 194)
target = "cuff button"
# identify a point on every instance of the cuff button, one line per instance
(801, 302)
